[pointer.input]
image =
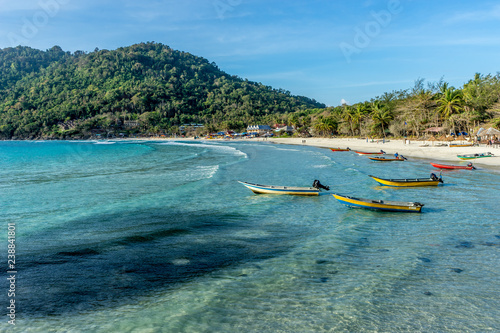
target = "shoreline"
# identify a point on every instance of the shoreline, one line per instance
(413, 149)
(427, 150)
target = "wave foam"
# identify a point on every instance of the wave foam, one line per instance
(221, 148)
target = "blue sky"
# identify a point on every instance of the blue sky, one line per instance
(326, 50)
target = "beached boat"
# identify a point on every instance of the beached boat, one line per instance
(273, 189)
(461, 145)
(394, 206)
(370, 153)
(431, 181)
(474, 156)
(341, 149)
(386, 159)
(446, 166)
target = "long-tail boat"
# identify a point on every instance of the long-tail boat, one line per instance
(393, 206)
(381, 152)
(292, 190)
(386, 159)
(461, 145)
(447, 166)
(433, 180)
(474, 156)
(341, 149)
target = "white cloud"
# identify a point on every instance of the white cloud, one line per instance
(479, 15)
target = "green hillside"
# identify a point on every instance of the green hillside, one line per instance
(61, 94)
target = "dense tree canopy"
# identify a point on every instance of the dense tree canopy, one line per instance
(151, 88)
(148, 82)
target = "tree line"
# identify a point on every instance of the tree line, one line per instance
(57, 94)
(412, 111)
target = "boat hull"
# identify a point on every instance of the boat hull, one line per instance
(445, 166)
(339, 149)
(273, 189)
(407, 182)
(383, 159)
(391, 206)
(473, 156)
(367, 153)
(461, 145)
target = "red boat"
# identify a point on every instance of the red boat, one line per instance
(366, 153)
(341, 149)
(446, 166)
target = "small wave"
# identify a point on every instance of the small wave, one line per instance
(320, 166)
(104, 142)
(208, 171)
(221, 148)
(285, 149)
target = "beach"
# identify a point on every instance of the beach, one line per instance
(411, 149)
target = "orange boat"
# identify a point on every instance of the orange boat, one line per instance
(341, 149)
(371, 153)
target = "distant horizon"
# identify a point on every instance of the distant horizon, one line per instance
(330, 52)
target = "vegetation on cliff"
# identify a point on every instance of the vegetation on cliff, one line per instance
(149, 88)
(57, 93)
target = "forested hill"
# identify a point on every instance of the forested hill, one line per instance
(149, 82)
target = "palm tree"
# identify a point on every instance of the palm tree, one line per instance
(348, 116)
(324, 125)
(450, 103)
(293, 120)
(358, 115)
(381, 116)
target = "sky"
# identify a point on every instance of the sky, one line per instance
(330, 50)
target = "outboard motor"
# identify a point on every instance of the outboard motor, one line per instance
(471, 166)
(319, 186)
(434, 177)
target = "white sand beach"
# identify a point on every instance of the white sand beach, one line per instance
(411, 149)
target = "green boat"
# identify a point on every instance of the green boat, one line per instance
(474, 156)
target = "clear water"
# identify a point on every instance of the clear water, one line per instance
(160, 237)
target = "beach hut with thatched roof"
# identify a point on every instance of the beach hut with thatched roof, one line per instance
(489, 132)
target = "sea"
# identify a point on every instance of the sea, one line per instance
(159, 236)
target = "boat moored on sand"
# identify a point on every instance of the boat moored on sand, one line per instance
(461, 145)
(341, 149)
(474, 156)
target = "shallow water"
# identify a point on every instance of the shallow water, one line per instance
(160, 237)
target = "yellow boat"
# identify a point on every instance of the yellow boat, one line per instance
(461, 145)
(393, 206)
(273, 189)
(432, 181)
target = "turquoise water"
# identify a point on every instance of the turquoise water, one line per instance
(160, 237)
